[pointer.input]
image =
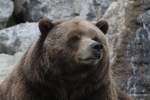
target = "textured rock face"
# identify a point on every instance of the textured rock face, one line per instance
(6, 10)
(129, 36)
(14, 41)
(7, 63)
(139, 54)
(18, 38)
(33, 10)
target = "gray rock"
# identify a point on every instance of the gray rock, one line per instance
(14, 41)
(33, 10)
(115, 18)
(18, 38)
(7, 63)
(129, 38)
(6, 10)
(144, 18)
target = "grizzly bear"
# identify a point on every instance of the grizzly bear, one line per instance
(69, 61)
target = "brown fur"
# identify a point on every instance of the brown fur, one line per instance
(48, 70)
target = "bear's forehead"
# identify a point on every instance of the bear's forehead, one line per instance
(77, 23)
(74, 27)
(79, 26)
(71, 28)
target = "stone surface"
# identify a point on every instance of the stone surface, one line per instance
(14, 41)
(18, 38)
(33, 10)
(6, 10)
(7, 63)
(139, 54)
(129, 36)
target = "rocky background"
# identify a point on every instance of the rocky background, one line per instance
(128, 36)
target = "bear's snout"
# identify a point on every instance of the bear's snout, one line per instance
(90, 51)
(96, 46)
(96, 49)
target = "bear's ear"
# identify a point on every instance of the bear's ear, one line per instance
(45, 25)
(103, 26)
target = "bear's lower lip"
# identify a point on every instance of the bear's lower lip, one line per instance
(89, 60)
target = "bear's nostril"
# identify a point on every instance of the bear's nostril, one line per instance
(96, 46)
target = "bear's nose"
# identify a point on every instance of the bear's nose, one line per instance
(96, 46)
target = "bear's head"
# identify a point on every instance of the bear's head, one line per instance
(74, 45)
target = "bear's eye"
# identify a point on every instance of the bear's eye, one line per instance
(73, 41)
(96, 39)
(75, 38)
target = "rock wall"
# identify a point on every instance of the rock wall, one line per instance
(14, 41)
(6, 10)
(129, 36)
(33, 10)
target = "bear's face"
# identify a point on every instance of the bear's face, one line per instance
(76, 42)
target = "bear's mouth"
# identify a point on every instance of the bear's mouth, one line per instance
(90, 60)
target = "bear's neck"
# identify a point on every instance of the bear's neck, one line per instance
(71, 90)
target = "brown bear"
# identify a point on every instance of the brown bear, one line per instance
(69, 61)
